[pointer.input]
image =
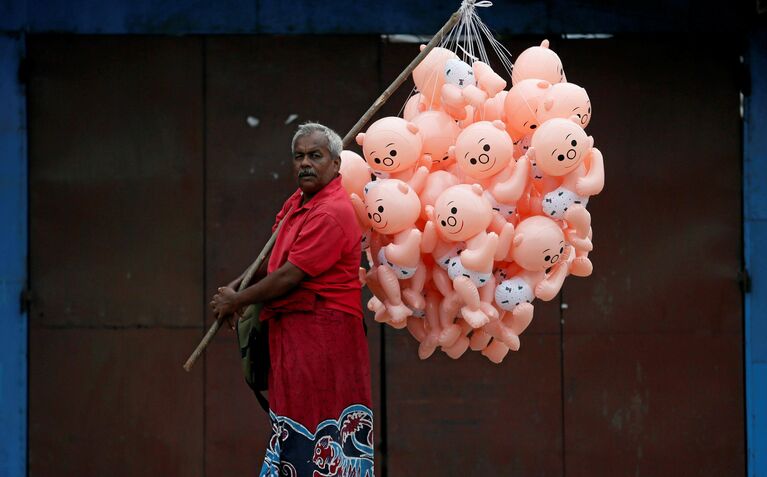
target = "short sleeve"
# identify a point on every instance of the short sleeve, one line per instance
(319, 245)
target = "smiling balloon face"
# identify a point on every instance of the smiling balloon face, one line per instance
(538, 62)
(483, 149)
(391, 144)
(461, 212)
(538, 244)
(564, 100)
(521, 106)
(560, 146)
(392, 206)
(438, 132)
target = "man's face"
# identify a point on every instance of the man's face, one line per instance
(313, 164)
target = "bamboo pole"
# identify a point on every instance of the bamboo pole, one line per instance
(452, 21)
(244, 283)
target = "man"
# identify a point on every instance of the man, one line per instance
(319, 380)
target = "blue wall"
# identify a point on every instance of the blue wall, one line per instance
(755, 232)
(13, 261)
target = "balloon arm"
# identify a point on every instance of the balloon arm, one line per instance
(360, 210)
(480, 251)
(418, 181)
(406, 250)
(436, 40)
(594, 181)
(504, 242)
(429, 237)
(548, 288)
(510, 190)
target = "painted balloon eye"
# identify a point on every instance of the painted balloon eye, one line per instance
(579, 115)
(454, 210)
(574, 142)
(393, 153)
(533, 126)
(561, 157)
(547, 257)
(473, 161)
(444, 224)
(380, 208)
(486, 147)
(377, 160)
(445, 158)
(561, 249)
(589, 109)
(370, 216)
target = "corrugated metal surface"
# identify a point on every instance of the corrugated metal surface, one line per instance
(644, 372)
(653, 366)
(116, 264)
(116, 181)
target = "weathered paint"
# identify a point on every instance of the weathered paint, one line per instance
(13, 256)
(755, 235)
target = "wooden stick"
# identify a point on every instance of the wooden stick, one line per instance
(346, 141)
(401, 78)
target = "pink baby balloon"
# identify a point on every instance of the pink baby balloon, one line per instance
(483, 149)
(429, 75)
(461, 212)
(393, 208)
(492, 109)
(355, 173)
(392, 148)
(436, 183)
(564, 100)
(414, 106)
(562, 149)
(538, 62)
(521, 107)
(438, 132)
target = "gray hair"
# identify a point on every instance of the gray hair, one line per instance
(335, 145)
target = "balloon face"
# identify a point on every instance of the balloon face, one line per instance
(564, 100)
(461, 212)
(560, 146)
(392, 206)
(521, 106)
(391, 144)
(438, 132)
(483, 149)
(429, 75)
(459, 73)
(539, 243)
(538, 62)
(355, 173)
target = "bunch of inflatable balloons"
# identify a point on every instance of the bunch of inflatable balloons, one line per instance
(477, 203)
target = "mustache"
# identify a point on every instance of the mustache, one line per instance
(307, 173)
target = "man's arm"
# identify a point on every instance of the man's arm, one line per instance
(275, 284)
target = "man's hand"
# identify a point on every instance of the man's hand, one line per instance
(224, 302)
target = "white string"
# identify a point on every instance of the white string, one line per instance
(467, 39)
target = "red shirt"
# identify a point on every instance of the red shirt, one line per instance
(322, 238)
